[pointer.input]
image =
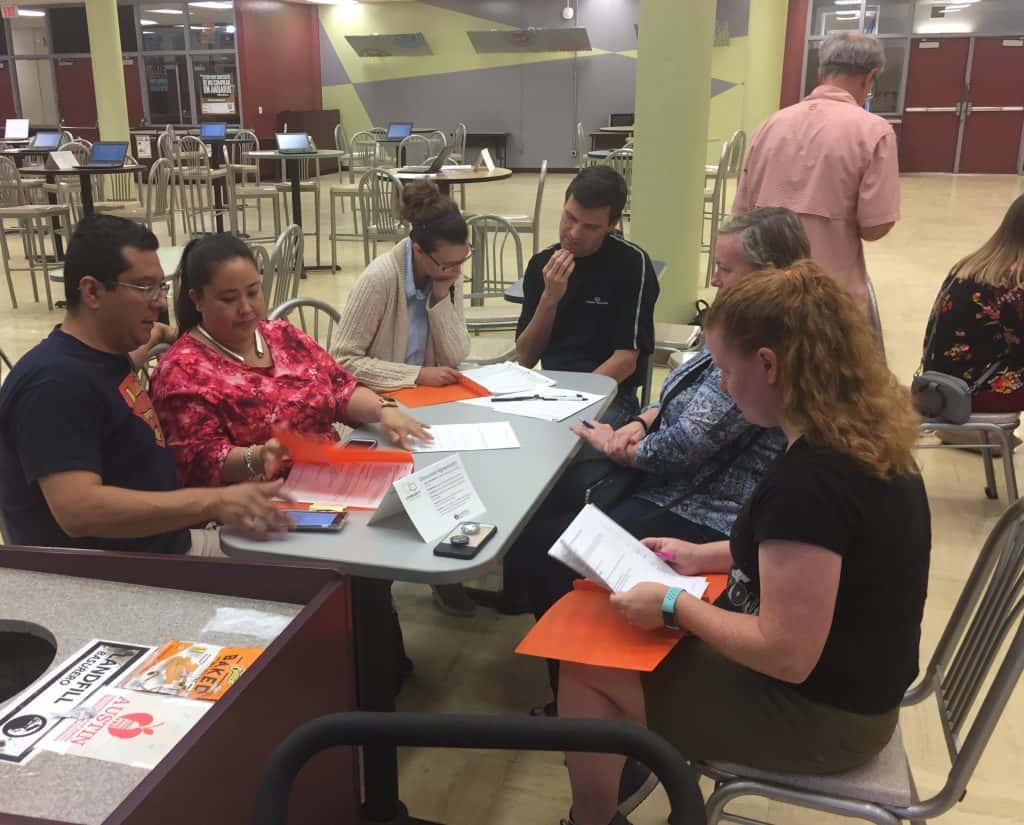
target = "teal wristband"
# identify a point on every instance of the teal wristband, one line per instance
(668, 608)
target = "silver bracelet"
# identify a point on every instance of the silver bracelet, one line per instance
(249, 465)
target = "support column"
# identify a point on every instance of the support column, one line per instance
(766, 45)
(673, 92)
(107, 69)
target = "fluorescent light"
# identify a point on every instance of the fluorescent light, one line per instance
(847, 2)
(230, 28)
(31, 13)
(148, 23)
(146, 32)
(213, 4)
(848, 15)
(165, 11)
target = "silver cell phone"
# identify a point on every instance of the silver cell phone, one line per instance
(368, 443)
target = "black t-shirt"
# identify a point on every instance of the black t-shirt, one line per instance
(608, 305)
(882, 530)
(66, 406)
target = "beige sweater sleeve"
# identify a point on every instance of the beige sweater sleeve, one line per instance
(362, 321)
(448, 334)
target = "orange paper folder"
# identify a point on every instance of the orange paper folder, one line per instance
(429, 396)
(583, 627)
(306, 450)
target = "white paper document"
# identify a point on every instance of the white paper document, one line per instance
(436, 498)
(360, 484)
(454, 438)
(509, 377)
(547, 404)
(598, 548)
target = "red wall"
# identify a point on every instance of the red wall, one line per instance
(6, 94)
(793, 58)
(278, 59)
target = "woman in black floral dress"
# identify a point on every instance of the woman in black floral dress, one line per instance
(978, 318)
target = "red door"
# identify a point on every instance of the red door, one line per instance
(76, 98)
(936, 77)
(133, 94)
(6, 92)
(995, 114)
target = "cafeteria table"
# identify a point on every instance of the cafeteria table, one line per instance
(511, 483)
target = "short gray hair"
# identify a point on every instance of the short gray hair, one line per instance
(769, 236)
(850, 53)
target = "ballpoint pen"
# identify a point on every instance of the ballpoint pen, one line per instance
(574, 397)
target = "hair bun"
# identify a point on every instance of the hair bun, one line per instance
(422, 201)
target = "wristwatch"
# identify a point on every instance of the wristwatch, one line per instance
(668, 608)
(639, 421)
(386, 402)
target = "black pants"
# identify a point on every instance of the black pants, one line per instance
(546, 580)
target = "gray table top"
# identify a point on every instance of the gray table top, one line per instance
(511, 484)
(273, 153)
(74, 610)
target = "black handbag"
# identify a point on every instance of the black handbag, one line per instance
(944, 397)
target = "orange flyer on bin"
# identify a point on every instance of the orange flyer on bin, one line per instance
(583, 627)
(192, 670)
(421, 396)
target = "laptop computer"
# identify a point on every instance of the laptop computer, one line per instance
(398, 131)
(296, 143)
(107, 153)
(46, 140)
(213, 131)
(428, 168)
(16, 128)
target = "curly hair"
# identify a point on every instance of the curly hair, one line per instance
(832, 380)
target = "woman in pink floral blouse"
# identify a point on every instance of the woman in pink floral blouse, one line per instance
(977, 324)
(233, 377)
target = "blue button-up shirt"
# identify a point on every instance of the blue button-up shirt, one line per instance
(416, 307)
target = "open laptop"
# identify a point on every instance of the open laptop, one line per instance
(398, 131)
(428, 168)
(107, 153)
(213, 131)
(294, 143)
(46, 140)
(16, 128)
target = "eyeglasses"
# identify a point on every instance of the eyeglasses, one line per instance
(150, 293)
(452, 266)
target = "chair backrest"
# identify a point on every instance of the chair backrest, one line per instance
(415, 149)
(80, 149)
(262, 258)
(194, 186)
(459, 140)
(124, 186)
(245, 141)
(65, 137)
(159, 200)
(286, 266)
(380, 195)
(989, 612)
(497, 260)
(438, 141)
(364, 150)
(379, 131)
(621, 160)
(341, 138)
(11, 191)
(581, 143)
(191, 153)
(314, 317)
(736, 149)
(539, 200)
(165, 144)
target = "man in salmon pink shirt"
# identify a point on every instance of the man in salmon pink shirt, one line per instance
(831, 161)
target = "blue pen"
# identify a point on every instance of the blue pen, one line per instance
(587, 424)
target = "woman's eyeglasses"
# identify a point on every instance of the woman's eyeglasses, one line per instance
(449, 267)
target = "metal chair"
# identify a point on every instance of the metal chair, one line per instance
(984, 635)
(309, 181)
(281, 279)
(458, 155)
(316, 318)
(530, 224)
(380, 194)
(996, 433)
(438, 141)
(165, 144)
(621, 160)
(730, 167)
(414, 149)
(122, 191)
(193, 180)
(497, 263)
(262, 259)
(338, 192)
(159, 199)
(240, 195)
(35, 225)
(583, 159)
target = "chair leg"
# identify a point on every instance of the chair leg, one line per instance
(44, 231)
(6, 252)
(316, 212)
(334, 231)
(366, 248)
(991, 490)
(28, 243)
(1009, 471)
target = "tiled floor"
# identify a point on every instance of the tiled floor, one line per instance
(468, 665)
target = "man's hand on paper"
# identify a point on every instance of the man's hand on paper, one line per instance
(250, 506)
(401, 427)
(682, 556)
(437, 376)
(641, 604)
(596, 434)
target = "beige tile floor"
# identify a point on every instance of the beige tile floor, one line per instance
(468, 665)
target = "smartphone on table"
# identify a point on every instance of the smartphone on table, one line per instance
(314, 521)
(465, 541)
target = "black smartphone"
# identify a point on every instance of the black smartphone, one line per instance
(368, 443)
(311, 521)
(465, 541)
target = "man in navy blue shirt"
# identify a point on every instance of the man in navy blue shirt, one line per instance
(589, 299)
(83, 462)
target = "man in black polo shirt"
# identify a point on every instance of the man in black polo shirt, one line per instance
(83, 461)
(589, 299)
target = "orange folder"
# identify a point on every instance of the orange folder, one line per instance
(583, 627)
(304, 449)
(421, 396)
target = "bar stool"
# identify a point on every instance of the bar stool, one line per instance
(35, 224)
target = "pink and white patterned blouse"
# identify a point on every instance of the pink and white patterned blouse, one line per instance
(208, 403)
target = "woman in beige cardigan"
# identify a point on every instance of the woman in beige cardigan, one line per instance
(403, 324)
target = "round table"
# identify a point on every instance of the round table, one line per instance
(85, 173)
(444, 180)
(293, 170)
